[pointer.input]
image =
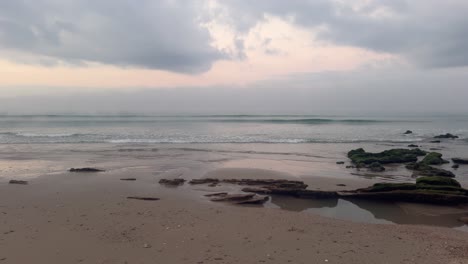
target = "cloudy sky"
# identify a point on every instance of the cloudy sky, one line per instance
(233, 56)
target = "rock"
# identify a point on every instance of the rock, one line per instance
(257, 199)
(432, 190)
(216, 194)
(232, 197)
(350, 167)
(85, 170)
(463, 219)
(385, 157)
(437, 181)
(203, 181)
(460, 161)
(434, 158)
(435, 141)
(242, 198)
(408, 132)
(172, 182)
(340, 162)
(421, 169)
(18, 182)
(376, 167)
(128, 179)
(143, 198)
(412, 146)
(448, 135)
(455, 166)
(341, 185)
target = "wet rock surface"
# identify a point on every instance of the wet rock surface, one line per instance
(448, 135)
(408, 132)
(360, 156)
(422, 169)
(172, 182)
(143, 198)
(434, 158)
(85, 170)
(241, 198)
(460, 161)
(203, 181)
(18, 182)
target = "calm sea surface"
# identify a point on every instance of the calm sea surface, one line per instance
(297, 129)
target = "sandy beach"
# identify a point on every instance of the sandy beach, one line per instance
(64, 217)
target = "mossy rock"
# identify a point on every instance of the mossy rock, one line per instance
(376, 167)
(437, 181)
(422, 169)
(387, 187)
(385, 157)
(434, 158)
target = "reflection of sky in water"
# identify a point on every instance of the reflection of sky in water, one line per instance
(348, 211)
(369, 211)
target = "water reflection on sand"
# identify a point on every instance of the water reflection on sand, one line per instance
(375, 212)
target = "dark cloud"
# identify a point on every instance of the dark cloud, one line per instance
(430, 33)
(151, 34)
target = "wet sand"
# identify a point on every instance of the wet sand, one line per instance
(85, 218)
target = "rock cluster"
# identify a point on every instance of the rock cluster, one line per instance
(172, 182)
(448, 135)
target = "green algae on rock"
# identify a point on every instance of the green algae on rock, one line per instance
(422, 169)
(434, 158)
(359, 156)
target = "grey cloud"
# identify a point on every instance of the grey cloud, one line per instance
(430, 33)
(151, 34)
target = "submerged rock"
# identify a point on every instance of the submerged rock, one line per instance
(435, 141)
(460, 161)
(359, 156)
(412, 146)
(434, 158)
(340, 162)
(85, 170)
(172, 182)
(18, 182)
(128, 179)
(455, 166)
(448, 135)
(408, 132)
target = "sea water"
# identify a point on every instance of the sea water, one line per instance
(294, 129)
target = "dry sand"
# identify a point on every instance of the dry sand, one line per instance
(86, 218)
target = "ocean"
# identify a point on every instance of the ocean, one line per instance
(208, 129)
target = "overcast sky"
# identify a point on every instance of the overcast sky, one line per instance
(233, 56)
